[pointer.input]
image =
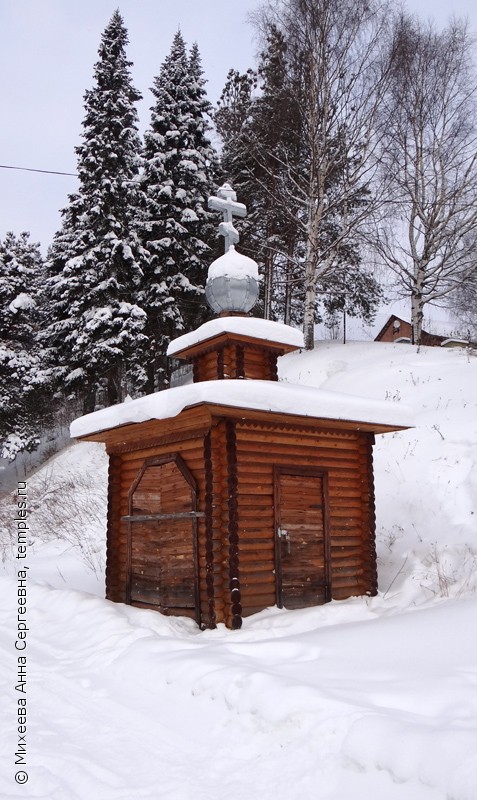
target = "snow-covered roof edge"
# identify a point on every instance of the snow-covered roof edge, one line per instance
(283, 398)
(245, 326)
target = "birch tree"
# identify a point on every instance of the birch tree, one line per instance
(338, 76)
(429, 159)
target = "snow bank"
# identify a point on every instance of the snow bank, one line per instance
(362, 699)
(127, 704)
(425, 478)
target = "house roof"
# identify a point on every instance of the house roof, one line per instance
(390, 321)
(264, 330)
(442, 330)
(273, 397)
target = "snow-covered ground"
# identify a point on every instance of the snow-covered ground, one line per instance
(365, 699)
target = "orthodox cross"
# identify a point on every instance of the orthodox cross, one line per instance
(226, 201)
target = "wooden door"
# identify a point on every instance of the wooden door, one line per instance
(163, 566)
(301, 547)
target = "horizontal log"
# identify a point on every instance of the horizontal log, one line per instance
(253, 542)
(274, 433)
(344, 519)
(183, 447)
(261, 556)
(343, 537)
(248, 610)
(260, 560)
(295, 448)
(353, 563)
(163, 516)
(166, 560)
(344, 581)
(355, 572)
(256, 588)
(190, 450)
(253, 595)
(249, 528)
(344, 594)
(169, 480)
(282, 424)
(356, 551)
(250, 489)
(335, 471)
(160, 495)
(257, 512)
(169, 612)
(284, 436)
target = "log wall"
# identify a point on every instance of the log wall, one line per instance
(346, 456)
(234, 360)
(126, 459)
(233, 463)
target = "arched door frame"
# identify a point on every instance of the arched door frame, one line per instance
(193, 515)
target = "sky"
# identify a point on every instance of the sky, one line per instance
(49, 48)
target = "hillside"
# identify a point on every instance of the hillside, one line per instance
(426, 481)
(364, 698)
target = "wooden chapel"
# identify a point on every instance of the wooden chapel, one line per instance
(238, 491)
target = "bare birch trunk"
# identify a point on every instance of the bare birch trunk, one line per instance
(417, 317)
(429, 163)
(309, 313)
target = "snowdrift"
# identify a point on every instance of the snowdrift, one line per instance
(363, 699)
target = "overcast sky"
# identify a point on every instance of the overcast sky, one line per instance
(48, 50)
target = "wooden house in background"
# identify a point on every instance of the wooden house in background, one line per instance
(399, 331)
(238, 492)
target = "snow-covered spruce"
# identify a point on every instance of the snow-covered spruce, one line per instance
(23, 393)
(176, 228)
(96, 326)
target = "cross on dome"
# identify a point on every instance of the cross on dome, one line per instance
(226, 201)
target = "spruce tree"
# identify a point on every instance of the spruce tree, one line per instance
(96, 326)
(24, 406)
(177, 229)
(259, 139)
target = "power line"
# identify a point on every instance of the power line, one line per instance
(44, 171)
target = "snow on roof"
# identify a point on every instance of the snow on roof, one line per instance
(233, 265)
(246, 326)
(284, 398)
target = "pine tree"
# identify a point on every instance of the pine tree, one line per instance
(23, 397)
(177, 229)
(96, 262)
